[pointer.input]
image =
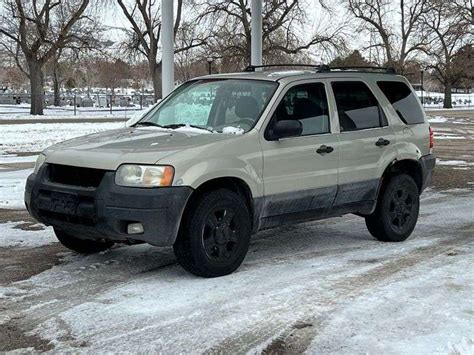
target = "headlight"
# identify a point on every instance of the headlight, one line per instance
(144, 175)
(39, 161)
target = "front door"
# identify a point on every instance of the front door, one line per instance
(300, 173)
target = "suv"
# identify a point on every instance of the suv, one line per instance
(224, 156)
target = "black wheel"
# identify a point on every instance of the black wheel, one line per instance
(215, 234)
(83, 246)
(397, 210)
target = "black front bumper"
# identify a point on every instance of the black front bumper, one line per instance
(104, 212)
(427, 163)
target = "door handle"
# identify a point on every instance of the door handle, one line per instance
(382, 142)
(324, 149)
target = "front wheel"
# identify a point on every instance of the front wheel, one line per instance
(215, 234)
(83, 246)
(397, 210)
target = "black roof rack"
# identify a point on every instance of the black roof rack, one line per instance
(322, 68)
(251, 68)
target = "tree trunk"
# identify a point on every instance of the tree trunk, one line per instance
(36, 87)
(447, 103)
(155, 72)
(56, 88)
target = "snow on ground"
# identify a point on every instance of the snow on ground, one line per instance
(12, 188)
(18, 112)
(323, 286)
(453, 162)
(437, 119)
(12, 234)
(408, 301)
(13, 158)
(37, 136)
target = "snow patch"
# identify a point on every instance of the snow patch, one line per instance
(233, 130)
(437, 119)
(453, 162)
(13, 158)
(11, 236)
(12, 188)
(35, 137)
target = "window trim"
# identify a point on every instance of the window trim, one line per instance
(282, 96)
(381, 110)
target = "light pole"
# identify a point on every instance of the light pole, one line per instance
(422, 72)
(209, 64)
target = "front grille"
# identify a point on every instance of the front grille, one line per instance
(76, 176)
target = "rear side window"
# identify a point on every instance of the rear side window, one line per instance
(357, 106)
(403, 101)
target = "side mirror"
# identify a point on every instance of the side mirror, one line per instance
(287, 128)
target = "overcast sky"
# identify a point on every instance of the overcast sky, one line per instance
(316, 18)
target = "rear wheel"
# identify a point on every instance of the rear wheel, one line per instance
(83, 246)
(397, 210)
(215, 234)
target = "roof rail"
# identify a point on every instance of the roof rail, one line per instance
(319, 68)
(323, 68)
(386, 70)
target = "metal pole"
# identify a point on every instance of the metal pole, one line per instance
(110, 103)
(167, 44)
(74, 104)
(256, 33)
(422, 89)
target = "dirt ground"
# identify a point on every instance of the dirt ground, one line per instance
(315, 308)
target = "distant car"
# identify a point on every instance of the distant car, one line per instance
(265, 148)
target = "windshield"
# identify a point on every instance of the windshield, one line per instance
(217, 105)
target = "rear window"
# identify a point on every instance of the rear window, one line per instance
(403, 101)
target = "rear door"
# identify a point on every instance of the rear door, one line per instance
(300, 173)
(366, 142)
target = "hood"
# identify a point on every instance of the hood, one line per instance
(140, 145)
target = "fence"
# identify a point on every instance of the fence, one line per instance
(120, 105)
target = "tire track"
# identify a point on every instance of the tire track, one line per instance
(296, 337)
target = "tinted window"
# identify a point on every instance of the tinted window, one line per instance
(403, 101)
(357, 106)
(308, 104)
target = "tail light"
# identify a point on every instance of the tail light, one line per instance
(431, 138)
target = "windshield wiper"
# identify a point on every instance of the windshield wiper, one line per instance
(148, 123)
(178, 125)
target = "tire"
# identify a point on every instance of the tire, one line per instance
(215, 234)
(396, 213)
(82, 246)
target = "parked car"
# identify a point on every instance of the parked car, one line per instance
(264, 149)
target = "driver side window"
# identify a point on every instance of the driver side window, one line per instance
(308, 104)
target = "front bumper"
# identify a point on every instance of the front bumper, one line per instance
(105, 211)
(427, 163)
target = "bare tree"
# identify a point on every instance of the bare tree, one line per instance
(398, 39)
(449, 26)
(33, 31)
(144, 17)
(281, 24)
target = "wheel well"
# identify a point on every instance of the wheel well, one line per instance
(409, 167)
(230, 183)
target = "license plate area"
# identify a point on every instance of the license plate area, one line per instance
(58, 202)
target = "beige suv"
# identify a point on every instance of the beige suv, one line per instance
(224, 156)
